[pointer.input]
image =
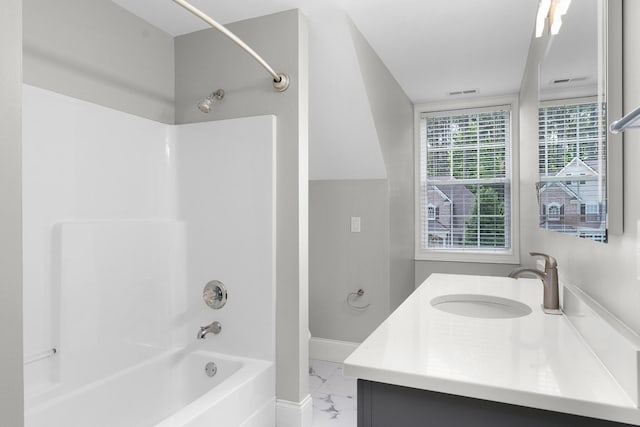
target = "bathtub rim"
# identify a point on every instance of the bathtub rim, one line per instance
(249, 369)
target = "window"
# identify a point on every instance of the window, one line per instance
(464, 167)
(592, 212)
(431, 212)
(570, 144)
(553, 212)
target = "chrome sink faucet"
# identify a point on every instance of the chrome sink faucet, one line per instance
(214, 328)
(549, 277)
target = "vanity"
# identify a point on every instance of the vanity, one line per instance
(480, 351)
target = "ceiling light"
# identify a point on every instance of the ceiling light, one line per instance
(560, 8)
(543, 12)
(551, 10)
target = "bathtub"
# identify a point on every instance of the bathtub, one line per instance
(169, 390)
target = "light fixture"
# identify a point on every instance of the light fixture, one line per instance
(543, 12)
(558, 10)
(553, 11)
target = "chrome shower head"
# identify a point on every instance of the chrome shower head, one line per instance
(205, 104)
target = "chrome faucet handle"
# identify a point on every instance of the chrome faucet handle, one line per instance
(549, 261)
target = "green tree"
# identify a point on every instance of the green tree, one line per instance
(488, 213)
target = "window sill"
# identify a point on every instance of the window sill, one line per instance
(485, 257)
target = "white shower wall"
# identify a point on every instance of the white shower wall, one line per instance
(125, 219)
(226, 198)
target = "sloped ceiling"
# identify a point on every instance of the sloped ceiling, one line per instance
(343, 143)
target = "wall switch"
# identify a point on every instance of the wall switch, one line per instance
(355, 224)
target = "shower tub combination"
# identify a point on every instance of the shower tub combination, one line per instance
(121, 233)
(168, 391)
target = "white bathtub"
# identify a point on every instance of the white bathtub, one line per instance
(171, 390)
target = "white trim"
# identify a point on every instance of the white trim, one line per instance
(330, 350)
(555, 217)
(508, 256)
(431, 208)
(602, 332)
(560, 101)
(294, 414)
(263, 417)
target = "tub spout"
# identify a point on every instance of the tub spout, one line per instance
(214, 328)
(549, 277)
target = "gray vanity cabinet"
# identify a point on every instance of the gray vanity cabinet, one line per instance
(385, 405)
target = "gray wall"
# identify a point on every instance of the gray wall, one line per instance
(425, 268)
(11, 390)
(99, 52)
(206, 61)
(393, 117)
(608, 272)
(341, 262)
(380, 258)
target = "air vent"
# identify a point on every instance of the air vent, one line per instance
(569, 80)
(463, 92)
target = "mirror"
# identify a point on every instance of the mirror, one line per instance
(578, 159)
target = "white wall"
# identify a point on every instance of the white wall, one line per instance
(343, 142)
(608, 272)
(11, 389)
(226, 198)
(81, 162)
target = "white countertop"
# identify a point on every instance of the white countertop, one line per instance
(537, 360)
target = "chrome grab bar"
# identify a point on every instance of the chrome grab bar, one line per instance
(626, 122)
(40, 356)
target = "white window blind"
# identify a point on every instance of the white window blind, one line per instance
(572, 166)
(465, 174)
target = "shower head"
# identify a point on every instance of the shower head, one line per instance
(205, 104)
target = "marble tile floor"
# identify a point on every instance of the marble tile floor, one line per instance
(334, 395)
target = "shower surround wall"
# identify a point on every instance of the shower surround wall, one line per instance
(143, 71)
(125, 220)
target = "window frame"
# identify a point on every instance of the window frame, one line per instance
(494, 256)
(555, 218)
(431, 208)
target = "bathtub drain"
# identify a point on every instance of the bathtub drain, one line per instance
(211, 369)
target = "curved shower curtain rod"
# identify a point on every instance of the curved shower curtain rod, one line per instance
(280, 80)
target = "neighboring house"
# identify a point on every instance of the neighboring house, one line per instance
(572, 205)
(447, 207)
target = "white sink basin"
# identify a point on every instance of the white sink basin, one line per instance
(481, 306)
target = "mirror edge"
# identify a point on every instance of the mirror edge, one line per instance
(615, 202)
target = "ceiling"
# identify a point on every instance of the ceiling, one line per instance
(432, 47)
(570, 67)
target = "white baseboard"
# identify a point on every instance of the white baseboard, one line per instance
(263, 417)
(294, 414)
(330, 350)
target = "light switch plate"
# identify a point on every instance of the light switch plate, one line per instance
(355, 224)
